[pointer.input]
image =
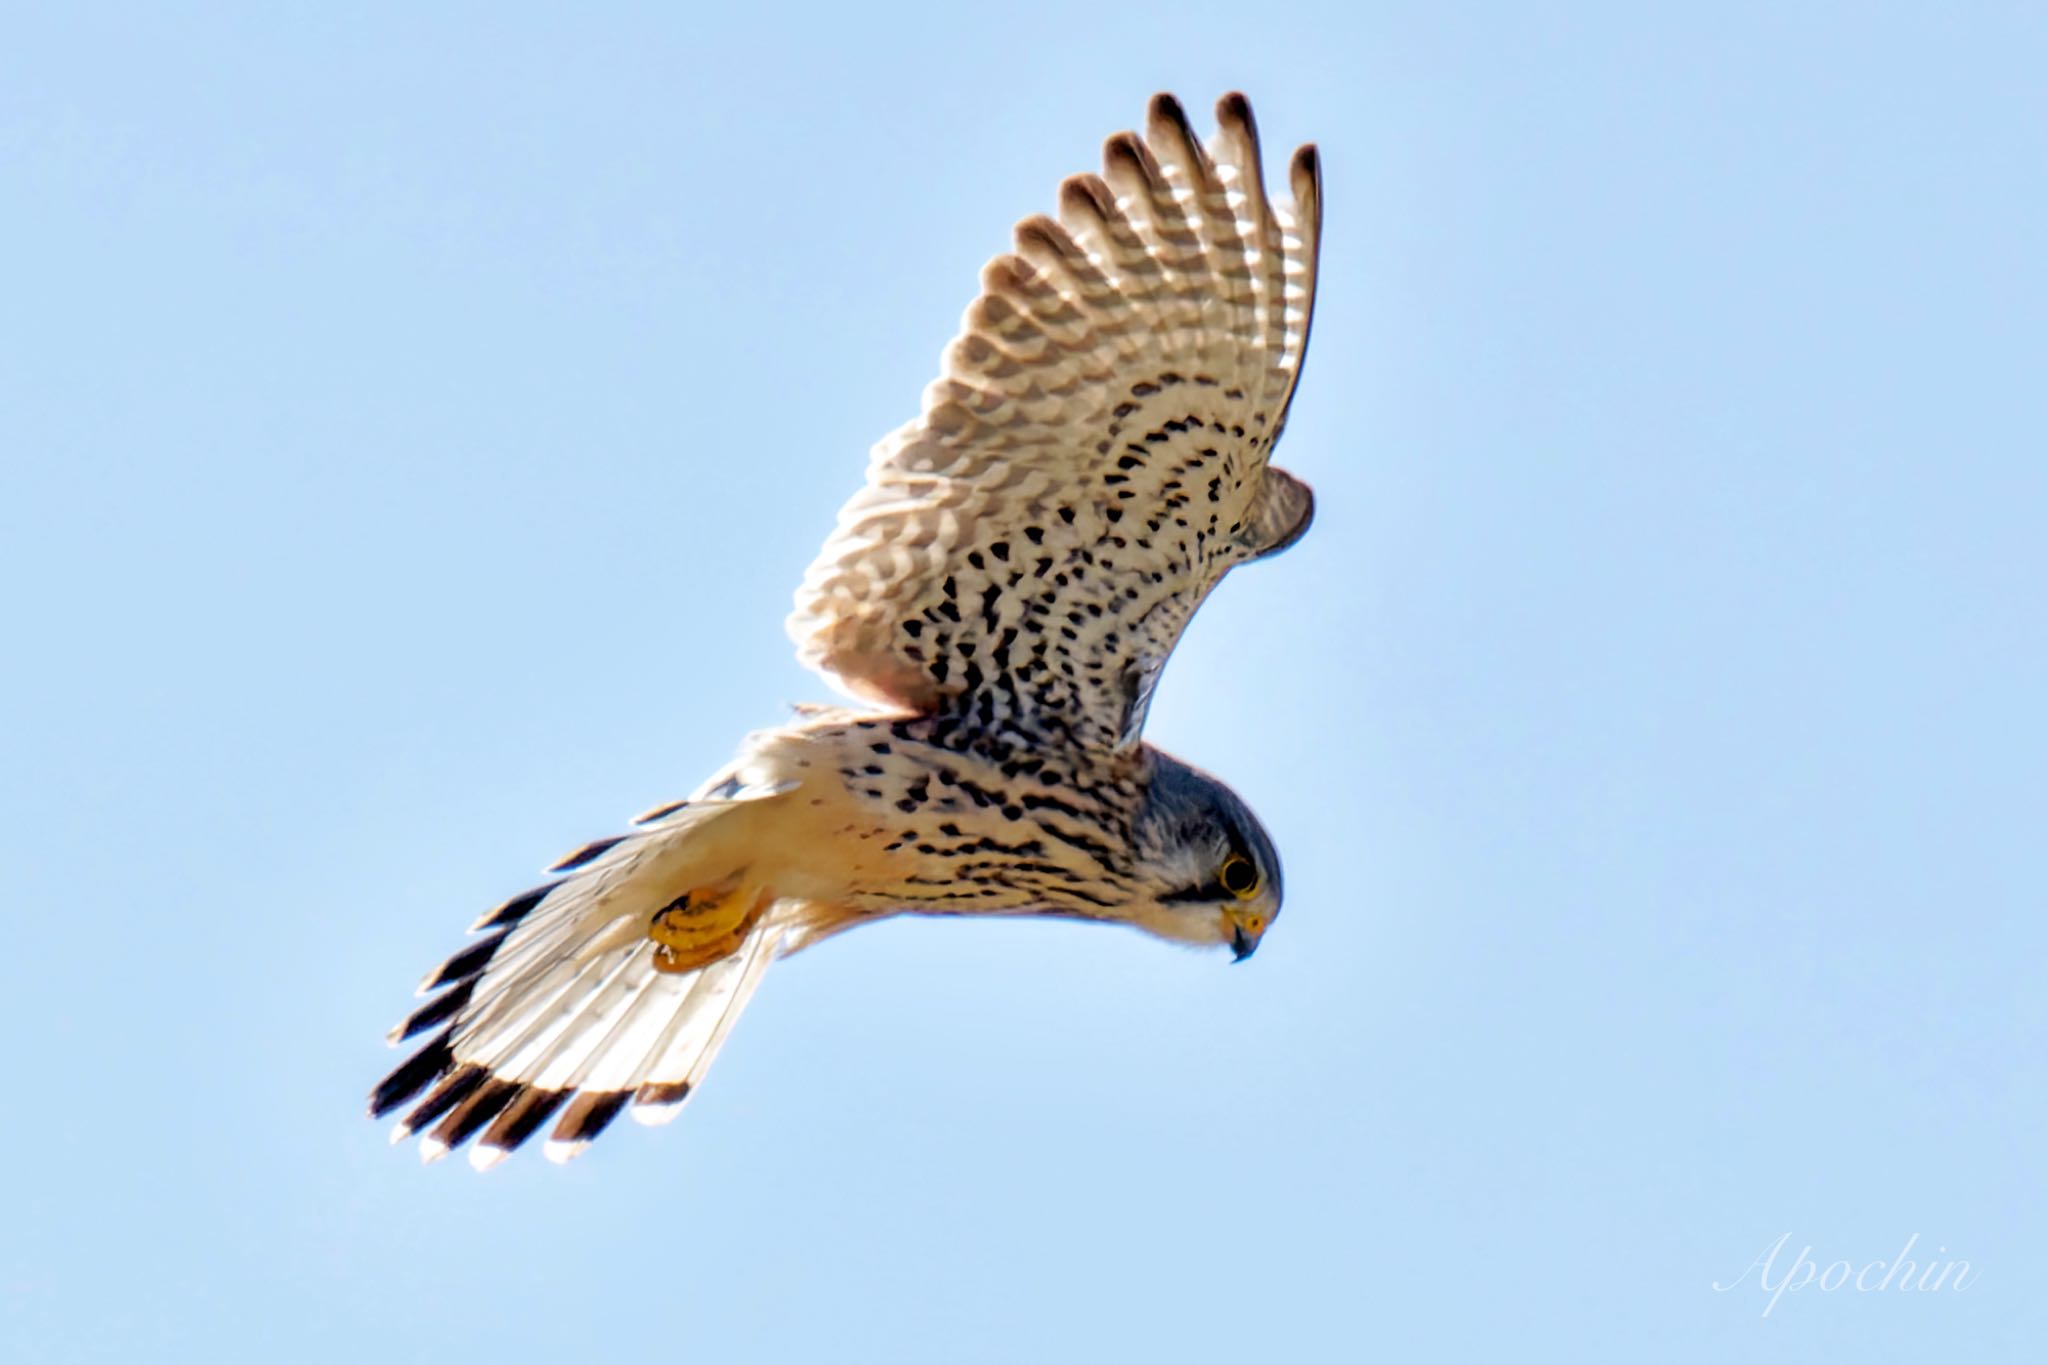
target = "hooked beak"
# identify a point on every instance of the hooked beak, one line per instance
(1247, 926)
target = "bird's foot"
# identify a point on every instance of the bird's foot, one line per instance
(702, 925)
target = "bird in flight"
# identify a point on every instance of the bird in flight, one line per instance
(1001, 596)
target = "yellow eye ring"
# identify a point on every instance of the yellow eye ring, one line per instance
(1239, 877)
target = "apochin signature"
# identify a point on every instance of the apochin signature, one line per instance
(1872, 1277)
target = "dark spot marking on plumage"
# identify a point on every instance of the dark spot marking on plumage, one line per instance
(589, 1114)
(1141, 389)
(989, 598)
(980, 795)
(479, 1109)
(1234, 395)
(590, 852)
(975, 558)
(913, 628)
(662, 1093)
(434, 1011)
(1123, 410)
(1035, 534)
(1115, 514)
(1067, 515)
(872, 770)
(1013, 812)
(523, 1117)
(949, 587)
(1112, 480)
(1034, 801)
(467, 963)
(940, 668)
(1094, 848)
(1070, 888)
(1155, 437)
(948, 610)
(411, 1076)
(1128, 461)
(1042, 869)
(452, 1091)
(1001, 550)
(521, 905)
(906, 805)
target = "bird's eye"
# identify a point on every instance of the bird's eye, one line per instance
(1239, 877)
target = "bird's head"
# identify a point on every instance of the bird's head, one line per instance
(1207, 869)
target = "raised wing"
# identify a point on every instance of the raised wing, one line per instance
(1093, 458)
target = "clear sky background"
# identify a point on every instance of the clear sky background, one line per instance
(412, 427)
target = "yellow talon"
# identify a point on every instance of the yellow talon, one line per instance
(702, 925)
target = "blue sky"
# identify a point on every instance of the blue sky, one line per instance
(412, 426)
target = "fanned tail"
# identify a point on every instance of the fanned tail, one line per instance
(559, 1011)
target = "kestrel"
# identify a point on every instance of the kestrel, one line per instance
(1002, 594)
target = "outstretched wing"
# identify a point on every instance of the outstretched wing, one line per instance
(1093, 459)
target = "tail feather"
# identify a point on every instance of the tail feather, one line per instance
(698, 1031)
(559, 1013)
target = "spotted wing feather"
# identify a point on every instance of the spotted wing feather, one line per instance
(1094, 456)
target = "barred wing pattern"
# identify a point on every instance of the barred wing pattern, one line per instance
(1093, 458)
